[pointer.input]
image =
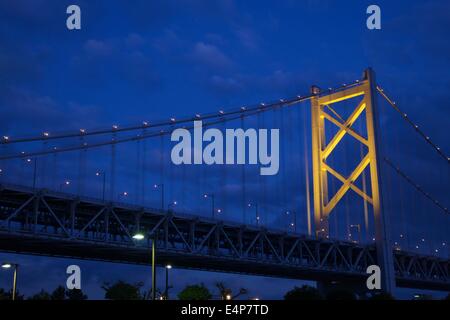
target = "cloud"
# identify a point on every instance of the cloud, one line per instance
(97, 48)
(225, 84)
(134, 40)
(248, 38)
(27, 112)
(210, 56)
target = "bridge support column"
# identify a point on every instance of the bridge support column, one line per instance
(325, 109)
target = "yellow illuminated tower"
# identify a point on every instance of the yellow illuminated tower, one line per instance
(364, 92)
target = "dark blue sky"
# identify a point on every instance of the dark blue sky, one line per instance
(156, 59)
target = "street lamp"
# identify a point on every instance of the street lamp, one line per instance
(34, 160)
(212, 197)
(103, 175)
(8, 265)
(358, 227)
(256, 212)
(139, 236)
(65, 183)
(122, 194)
(172, 205)
(161, 187)
(166, 294)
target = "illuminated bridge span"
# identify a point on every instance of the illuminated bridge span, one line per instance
(361, 209)
(45, 222)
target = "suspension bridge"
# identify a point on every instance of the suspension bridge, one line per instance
(346, 195)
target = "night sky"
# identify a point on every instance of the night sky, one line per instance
(151, 60)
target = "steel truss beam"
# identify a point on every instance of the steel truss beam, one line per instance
(85, 228)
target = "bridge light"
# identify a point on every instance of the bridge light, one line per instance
(82, 131)
(145, 123)
(219, 210)
(6, 138)
(6, 265)
(172, 119)
(115, 127)
(221, 112)
(228, 297)
(243, 108)
(168, 266)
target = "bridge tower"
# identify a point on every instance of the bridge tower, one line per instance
(322, 109)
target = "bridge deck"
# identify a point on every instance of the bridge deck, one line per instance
(50, 223)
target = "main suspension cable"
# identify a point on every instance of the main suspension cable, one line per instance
(415, 185)
(147, 125)
(415, 126)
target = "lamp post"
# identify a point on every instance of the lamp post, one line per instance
(34, 160)
(65, 183)
(358, 227)
(103, 175)
(166, 293)
(122, 194)
(140, 236)
(161, 187)
(16, 269)
(172, 205)
(256, 212)
(212, 197)
(293, 220)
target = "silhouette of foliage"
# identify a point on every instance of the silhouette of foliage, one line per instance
(381, 296)
(303, 293)
(195, 292)
(75, 294)
(123, 291)
(41, 295)
(226, 293)
(59, 293)
(341, 294)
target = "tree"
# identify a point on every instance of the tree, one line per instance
(59, 293)
(447, 297)
(123, 291)
(41, 295)
(7, 295)
(195, 292)
(303, 293)
(76, 294)
(4, 295)
(227, 293)
(381, 296)
(341, 294)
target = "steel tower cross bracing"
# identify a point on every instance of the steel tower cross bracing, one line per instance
(324, 204)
